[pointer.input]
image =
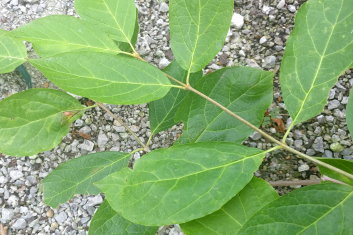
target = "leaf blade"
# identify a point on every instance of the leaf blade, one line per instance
(77, 176)
(162, 111)
(187, 176)
(321, 48)
(116, 17)
(316, 209)
(12, 52)
(70, 34)
(46, 121)
(100, 77)
(342, 164)
(195, 39)
(233, 215)
(229, 87)
(106, 221)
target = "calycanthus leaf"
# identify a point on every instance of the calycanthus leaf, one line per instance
(342, 164)
(317, 209)
(162, 112)
(12, 52)
(117, 18)
(233, 215)
(319, 49)
(244, 90)
(77, 176)
(106, 221)
(70, 34)
(198, 29)
(113, 79)
(35, 120)
(187, 178)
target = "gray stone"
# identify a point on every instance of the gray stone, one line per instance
(303, 167)
(102, 139)
(318, 145)
(85, 130)
(281, 4)
(310, 152)
(256, 136)
(96, 200)
(164, 7)
(333, 104)
(79, 123)
(237, 20)
(292, 8)
(164, 62)
(328, 154)
(87, 145)
(298, 143)
(269, 62)
(61, 217)
(6, 215)
(15, 174)
(19, 224)
(263, 40)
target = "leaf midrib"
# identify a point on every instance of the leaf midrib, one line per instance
(99, 79)
(86, 178)
(198, 172)
(322, 56)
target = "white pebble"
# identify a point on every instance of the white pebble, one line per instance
(238, 20)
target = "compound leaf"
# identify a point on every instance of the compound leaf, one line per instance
(233, 215)
(58, 34)
(198, 29)
(245, 91)
(170, 186)
(317, 209)
(35, 120)
(104, 77)
(162, 111)
(349, 113)
(319, 49)
(77, 176)
(342, 164)
(117, 18)
(106, 221)
(12, 52)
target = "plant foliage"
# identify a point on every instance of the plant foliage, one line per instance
(206, 180)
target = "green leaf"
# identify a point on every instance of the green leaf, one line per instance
(162, 112)
(198, 29)
(12, 52)
(317, 209)
(233, 215)
(245, 91)
(77, 176)
(349, 113)
(104, 77)
(182, 183)
(117, 18)
(319, 49)
(107, 222)
(34, 121)
(345, 165)
(125, 46)
(58, 34)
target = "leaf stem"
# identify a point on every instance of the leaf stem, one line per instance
(121, 122)
(267, 136)
(263, 133)
(304, 182)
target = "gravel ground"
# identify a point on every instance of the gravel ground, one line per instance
(257, 38)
